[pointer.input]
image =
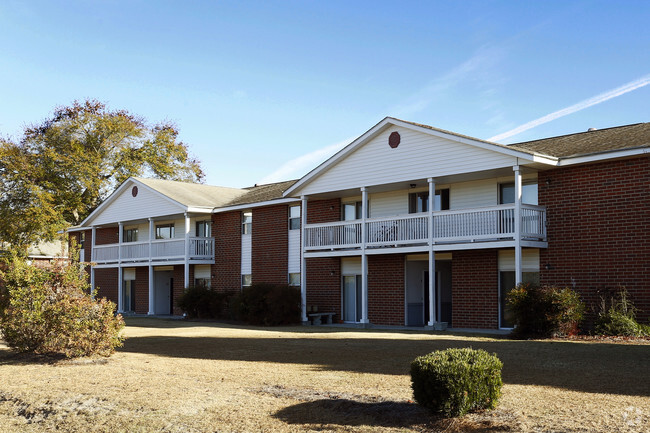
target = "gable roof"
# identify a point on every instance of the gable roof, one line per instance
(633, 136)
(193, 195)
(262, 193)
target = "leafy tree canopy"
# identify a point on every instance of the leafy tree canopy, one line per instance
(61, 169)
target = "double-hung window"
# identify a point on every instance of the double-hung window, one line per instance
(419, 201)
(294, 218)
(203, 229)
(247, 222)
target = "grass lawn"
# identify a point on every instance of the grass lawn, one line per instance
(174, 376)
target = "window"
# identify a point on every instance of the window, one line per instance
(528, 193)
(130, 235)
(294, 279)
(419, 201)
(351, 211)
(202, 282)
(246, 280)
(82, 240)
(165, 231)
(246, 222)
(203, 229)
(294, 218)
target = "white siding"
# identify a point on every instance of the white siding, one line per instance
(479, 193)
(294, 251)
(418, 156)
(351, 266)
(246, 254)
(146, 204)
(389, 203)
(530, 260)
(202, 271)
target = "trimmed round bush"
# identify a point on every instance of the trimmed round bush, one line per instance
(453, 382)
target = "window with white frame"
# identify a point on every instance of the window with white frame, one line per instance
(203, 229)
(130, 234)
(351, 211)
(294, 279)
(294, 218)
(165, 231)
(202, 277)
(246, 280)
(419, 201)
(246, 222)
(528, 193)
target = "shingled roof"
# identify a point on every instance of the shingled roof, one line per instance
(262, 193)
(193, 194)
(590, 142)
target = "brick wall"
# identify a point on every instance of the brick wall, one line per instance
(324, 284)
(142, 290)
(474, 289)
(179, 286)
(270, 244)
(106, 283)
(323, 211)
(108, 235)
(386, 289)
(598, 224)
(226, 229)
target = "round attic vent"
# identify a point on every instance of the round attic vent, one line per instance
(134, 191)
(394, 139)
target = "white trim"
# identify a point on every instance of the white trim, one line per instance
(258, 204)
(614, 154)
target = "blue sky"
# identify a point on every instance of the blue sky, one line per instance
(264, 91)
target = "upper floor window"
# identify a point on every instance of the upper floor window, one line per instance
(246, 222)
(131, 235)
(203, 229)
(528, 193)
(294, 218)
(82, 239)
(351, 211)
(419, 201)
(165, 231)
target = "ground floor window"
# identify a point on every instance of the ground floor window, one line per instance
(352, 298)
(294, 279)
(128, 296)
(506, 284)
(246, 280)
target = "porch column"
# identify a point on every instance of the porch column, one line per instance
(92, 260)
(364, 257)
(432, 255)
(120, 279)
(186, 268)
(518, 253)
(152, 297)
(303, 261)
(151, 238)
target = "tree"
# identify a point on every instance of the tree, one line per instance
(62, 169)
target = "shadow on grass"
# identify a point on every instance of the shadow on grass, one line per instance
(586, 367)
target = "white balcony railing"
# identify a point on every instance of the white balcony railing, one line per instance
(158, 250)
(457, 226)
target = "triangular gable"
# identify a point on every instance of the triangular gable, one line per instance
(128, 204)
(422, 152)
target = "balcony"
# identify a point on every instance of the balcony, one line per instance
(457, 227)
(159, 250)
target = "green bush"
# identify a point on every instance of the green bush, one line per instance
(455, 381)
(202, 303)
(268, 305)
(49, 311)
(618, 317)
(542, 312)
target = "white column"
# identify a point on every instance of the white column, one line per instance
(518, 253)
(186, 268)
(432, 256)
(152, 297)
(303, 261)
(120, 278)
(92, 260)
(364, 257)
(151, 238)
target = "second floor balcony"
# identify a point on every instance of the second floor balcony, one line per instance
(450, 227)
(197, 249)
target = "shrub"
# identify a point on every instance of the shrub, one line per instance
(202, 303)
(618, 317)
(49, 311)
(268, 305)
(455, 381)
(545, 311)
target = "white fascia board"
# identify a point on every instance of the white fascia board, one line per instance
(206, 210)
(254, 205)
(372, 132)
(118, 191)
(603, 156)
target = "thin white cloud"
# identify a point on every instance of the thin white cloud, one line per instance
(633, 85)
(299, 166)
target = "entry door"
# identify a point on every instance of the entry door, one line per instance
(163, 286)
(128, 296)
(352, 298)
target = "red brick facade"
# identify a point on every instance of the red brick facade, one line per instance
(270, 240)
(323, 211)
(106, 283)
(324, 284)
(386, 289)
(142, 290)
(474, 289)
(226, 229)
(598, 224)
(108, 235)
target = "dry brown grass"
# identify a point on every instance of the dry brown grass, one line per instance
(204, 377)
